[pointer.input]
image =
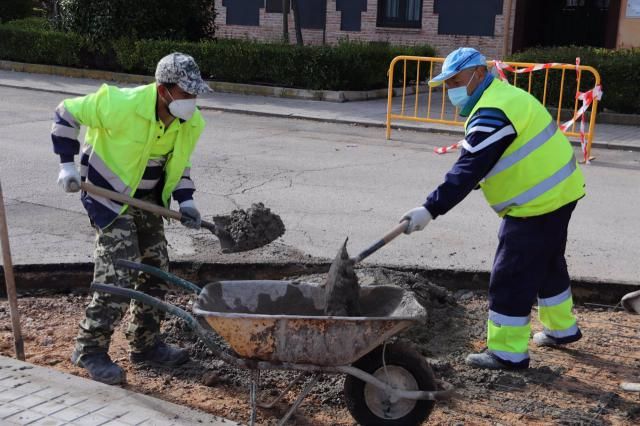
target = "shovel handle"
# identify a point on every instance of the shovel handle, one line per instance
(393, 233)
(142, 205)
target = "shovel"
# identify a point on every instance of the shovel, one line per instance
(341, 286)
(227, 243)
(631, 302)
(389, 236)
(10, 281)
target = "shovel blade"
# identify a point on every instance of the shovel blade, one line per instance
(631, 302)
(227, 243)
(342, 291)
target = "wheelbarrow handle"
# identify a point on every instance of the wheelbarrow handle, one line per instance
(205, 335)
(146, 299)
(159, 273)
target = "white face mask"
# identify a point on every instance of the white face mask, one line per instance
(182, 108)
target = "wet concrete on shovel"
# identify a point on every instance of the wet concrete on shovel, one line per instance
(252, 228)
(341, 286)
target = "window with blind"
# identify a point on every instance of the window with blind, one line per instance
(400, 13)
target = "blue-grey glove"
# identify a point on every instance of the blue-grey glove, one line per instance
(190, 214)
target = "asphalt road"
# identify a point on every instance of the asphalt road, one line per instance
(327, 181)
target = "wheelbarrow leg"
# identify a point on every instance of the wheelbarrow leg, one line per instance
(253, 395)
(301, 397)
(279, 397)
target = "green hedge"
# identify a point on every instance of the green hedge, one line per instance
(101, 20)
(15, 9)
(43, 46)
(619, 71)
(347, 66)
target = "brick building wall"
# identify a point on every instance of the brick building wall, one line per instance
(270, 29)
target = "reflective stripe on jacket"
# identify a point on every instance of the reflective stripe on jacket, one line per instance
(538, 172)
(120, 134)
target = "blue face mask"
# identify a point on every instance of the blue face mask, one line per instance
(458, 95)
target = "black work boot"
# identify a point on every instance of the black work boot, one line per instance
(489, 361)
(161, 354)
(99, 366)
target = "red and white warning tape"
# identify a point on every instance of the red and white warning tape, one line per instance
(446, 149)
(586, 98)
(501, 66)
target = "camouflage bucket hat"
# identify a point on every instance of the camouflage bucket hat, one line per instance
(182, 70)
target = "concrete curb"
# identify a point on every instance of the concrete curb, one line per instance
(248, 89)
(303, 94)
(75, 72)
(218, 86)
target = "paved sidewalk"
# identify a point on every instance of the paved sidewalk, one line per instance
(367, 113)
(32, 395)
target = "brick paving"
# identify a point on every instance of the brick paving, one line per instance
(33, 395)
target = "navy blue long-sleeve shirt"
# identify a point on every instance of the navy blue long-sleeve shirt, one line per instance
(489, 133)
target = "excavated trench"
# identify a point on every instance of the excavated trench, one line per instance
(573, 386)
(63, 278)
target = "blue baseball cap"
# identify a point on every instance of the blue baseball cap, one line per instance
(458, 60)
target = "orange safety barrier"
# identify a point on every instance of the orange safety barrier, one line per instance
(419, 103)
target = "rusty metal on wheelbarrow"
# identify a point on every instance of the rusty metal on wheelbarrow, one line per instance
(283, 321)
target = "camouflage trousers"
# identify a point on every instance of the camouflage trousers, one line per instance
(138, 236)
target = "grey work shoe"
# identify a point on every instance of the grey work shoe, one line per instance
(542, 339)
(488, 361)
(99, 366)
(161, 354)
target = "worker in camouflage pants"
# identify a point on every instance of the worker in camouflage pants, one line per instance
(138, 236)
(139, 143)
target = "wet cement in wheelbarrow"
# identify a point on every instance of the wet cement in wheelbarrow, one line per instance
(254, 227)
(341, 286)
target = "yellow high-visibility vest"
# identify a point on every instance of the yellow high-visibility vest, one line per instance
(538, 173)
(120, 129)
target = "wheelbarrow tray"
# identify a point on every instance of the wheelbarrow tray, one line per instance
(283, 321)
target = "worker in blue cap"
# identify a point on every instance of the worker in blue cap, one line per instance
(528, 173)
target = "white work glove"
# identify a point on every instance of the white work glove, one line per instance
(418, 219)
(69, 178)
(190, 214)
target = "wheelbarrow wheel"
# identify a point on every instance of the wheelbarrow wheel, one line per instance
(402, 367)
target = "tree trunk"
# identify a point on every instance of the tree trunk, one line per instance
(285, 21)
(296, 19)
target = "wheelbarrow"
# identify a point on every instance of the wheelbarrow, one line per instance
(280, 325)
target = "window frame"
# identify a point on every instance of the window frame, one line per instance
(397, 23)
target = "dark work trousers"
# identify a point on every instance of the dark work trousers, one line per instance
(529, 261)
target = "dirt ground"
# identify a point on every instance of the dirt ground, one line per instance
(578, 385)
